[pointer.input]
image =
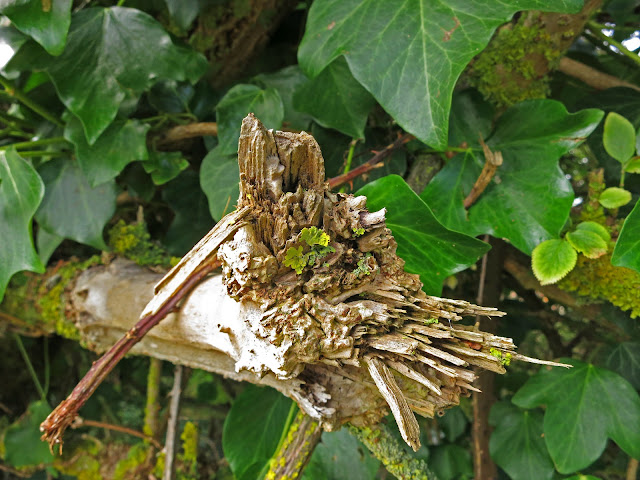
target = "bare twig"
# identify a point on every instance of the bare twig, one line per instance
(592, 77)
(373, 162)
(492, 161)
(632, 469)
(151, 421)
(17, 473)
(170, 444)
(191, 130)
(81, 422)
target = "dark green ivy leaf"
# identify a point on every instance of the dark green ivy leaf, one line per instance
(120, 144)
(451, 462)
(336, 100)
(164, 166)
(627, 250)
(71, 208)
(428, 248)
(517, 444)
(219, 178)
(22, 439)
(48, 28)
(624, 358)
(529, 198)
(21, 191)
(585, 406)
(409, 54)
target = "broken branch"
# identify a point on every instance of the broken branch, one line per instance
(492, 161)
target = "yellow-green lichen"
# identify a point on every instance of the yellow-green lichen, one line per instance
(358, 232)
(505, 359)
(134, 242)
(598, 279)
(83, 463)
(188, 458)
(506, 71)
(315, 238)
(134, 463)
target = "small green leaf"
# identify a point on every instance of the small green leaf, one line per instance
(71, 208)
(428, 248)
(450, 462)
(164, 166)
(624, 358)
(614, 197)
(236, 104)
(633, 166)
(252, 430)
(588, 243)
(183, 12)
(295, 259)
(121, 143)
(453, 423)
(585, 405)
(517, 443)
(21, 191)
(552, 260)
(596, 228)
(48, 28)
(627, 250)
(619, 137)
(336, 100)
(22, 442)
(219, 178)
(314, 236)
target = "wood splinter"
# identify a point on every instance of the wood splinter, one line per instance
(315, 303)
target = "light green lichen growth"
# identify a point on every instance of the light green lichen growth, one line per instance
(82, 463)
(431, 321)
(362, 267)
(598, 279)
(315, 238)
(505, 359)
(130, 466)
(188, 458)
(358, 232)
(514, 50)
(134, 242)
(158, 469)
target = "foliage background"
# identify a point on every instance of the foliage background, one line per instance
(91, 160)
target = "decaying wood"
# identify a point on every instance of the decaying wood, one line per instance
(344, 334)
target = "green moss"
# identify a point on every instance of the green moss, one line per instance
(188, 458)
(505, 359)
(505, 73)
(358, 232)
(158, 469)
(134, 242)
(315, 238)
(83, 463)
(135, 460)
(362, 267)
(598, 279)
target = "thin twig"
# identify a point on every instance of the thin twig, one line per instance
(632, 469)
(26, 101)
(170, 444)
(492, 161)
(596, 30)
(191, 130)
(592, 77)
(81, 422)
(373, 162)
(17, 473)
(32, 371)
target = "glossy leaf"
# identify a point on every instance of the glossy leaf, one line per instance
(336, 100)
(22, 438)
(552, 260)
(627, 250)
(107, 60)
(451, 462)
(596, 228)
(624, 358)
(21, 191)
(164, 166)
(340, 455)
(47, 243)
(619, 137)
(420, 47)
(453, 423)
(219, 178)
(429, 249)
(121, 143)
(585, 405)
(529, 198)
(517, 444)
(72, 208)
(183, 12)
(237, 103)
(614, 197)
(633, 166)
(588, 243)
(252, 430)
(48, 28)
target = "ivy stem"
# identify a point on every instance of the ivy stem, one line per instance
(19, 95)
(32, 371)
(35, 143)
(13, 120)
(41, 153)
(47, 366)
(347, 164)
(596, 30)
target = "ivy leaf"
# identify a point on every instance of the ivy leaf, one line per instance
(627, 250)
(249, 439)
(121, 143)
(428, 248)
(236, 104)
(451, 462)
(47, 243)
(420, 48)
(624, 359)
(183, 12)
(596, 228)
(552, 260)
(164, 166)
(529, 198)
(453, 423)
(21, 191)
(588, 243)
(517, 443)
(633, 166)
(22, 443)
(585, 406)
(619, 137)
(48, 28)
(219, 178)
(107, 60)
(336, 100)
(614, 197)
(72, 208)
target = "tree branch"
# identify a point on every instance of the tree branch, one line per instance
(592, 77)
(492, 161)
(81, 422)
(184, 132)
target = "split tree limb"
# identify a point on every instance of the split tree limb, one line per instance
(492, 161)
(592, 77)
(170, 444)
(184, 132)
